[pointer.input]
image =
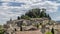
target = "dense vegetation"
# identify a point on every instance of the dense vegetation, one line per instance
(1, 29)
(35, 13)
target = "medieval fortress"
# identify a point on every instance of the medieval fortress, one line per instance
(33, 25)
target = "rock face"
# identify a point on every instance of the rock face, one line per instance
(15, 25)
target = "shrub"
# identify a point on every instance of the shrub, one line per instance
(48, 32)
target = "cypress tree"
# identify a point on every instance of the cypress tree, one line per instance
(18, 18)
(49, 17)
(52, 30)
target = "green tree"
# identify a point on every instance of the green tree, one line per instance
(18, 18)
(49, 17)
(36, 13)
(10, 19)
(1, 29)
(52, 30)
(23, 16)
(37, 25)
(33, 13)
(43, 13)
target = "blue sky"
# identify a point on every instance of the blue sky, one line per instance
(13, 8)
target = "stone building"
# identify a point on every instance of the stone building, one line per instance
(15, 25)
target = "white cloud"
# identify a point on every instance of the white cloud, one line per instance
(50, 6)
(7, 12)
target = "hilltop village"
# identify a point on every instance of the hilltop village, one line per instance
(33, 22)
